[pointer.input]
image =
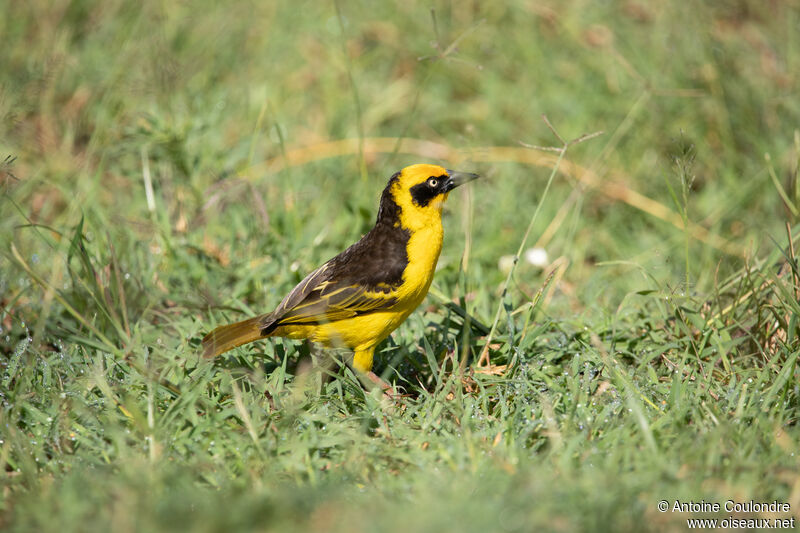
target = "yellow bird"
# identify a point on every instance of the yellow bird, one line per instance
(360, 296)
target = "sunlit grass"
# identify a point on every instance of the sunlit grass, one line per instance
(169, 167)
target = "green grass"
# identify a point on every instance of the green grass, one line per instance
(153, 189)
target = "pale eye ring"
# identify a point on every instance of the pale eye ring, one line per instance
(433, 182)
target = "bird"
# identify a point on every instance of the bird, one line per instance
(357, 298)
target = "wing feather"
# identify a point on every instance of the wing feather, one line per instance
(318, 299)
(321, 306)
(363, 279)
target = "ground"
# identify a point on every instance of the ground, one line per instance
(172, 166)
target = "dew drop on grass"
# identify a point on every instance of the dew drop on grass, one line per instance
(22, 346)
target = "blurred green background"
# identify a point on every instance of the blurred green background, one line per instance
(171, 166)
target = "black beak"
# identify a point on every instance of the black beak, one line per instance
(456, 178)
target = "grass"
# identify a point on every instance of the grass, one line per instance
(169, 167)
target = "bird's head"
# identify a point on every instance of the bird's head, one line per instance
(420, 191)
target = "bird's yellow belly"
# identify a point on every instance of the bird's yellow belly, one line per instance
(359, 332)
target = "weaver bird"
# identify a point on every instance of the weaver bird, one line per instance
(360, 296)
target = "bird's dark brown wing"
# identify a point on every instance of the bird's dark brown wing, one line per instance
(331, 301)
(362, 279)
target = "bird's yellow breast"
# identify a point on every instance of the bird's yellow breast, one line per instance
(423, 248)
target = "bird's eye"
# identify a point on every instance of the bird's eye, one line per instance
(433, 182)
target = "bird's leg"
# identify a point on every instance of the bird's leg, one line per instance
(362, 363)
(362, 359)
(322, 363)
(376, 380)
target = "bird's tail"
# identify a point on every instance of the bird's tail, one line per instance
(228, 337)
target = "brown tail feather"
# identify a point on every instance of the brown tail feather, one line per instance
(228, 337)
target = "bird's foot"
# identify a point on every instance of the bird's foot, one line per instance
(389, 392)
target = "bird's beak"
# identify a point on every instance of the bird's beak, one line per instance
(456, 178)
